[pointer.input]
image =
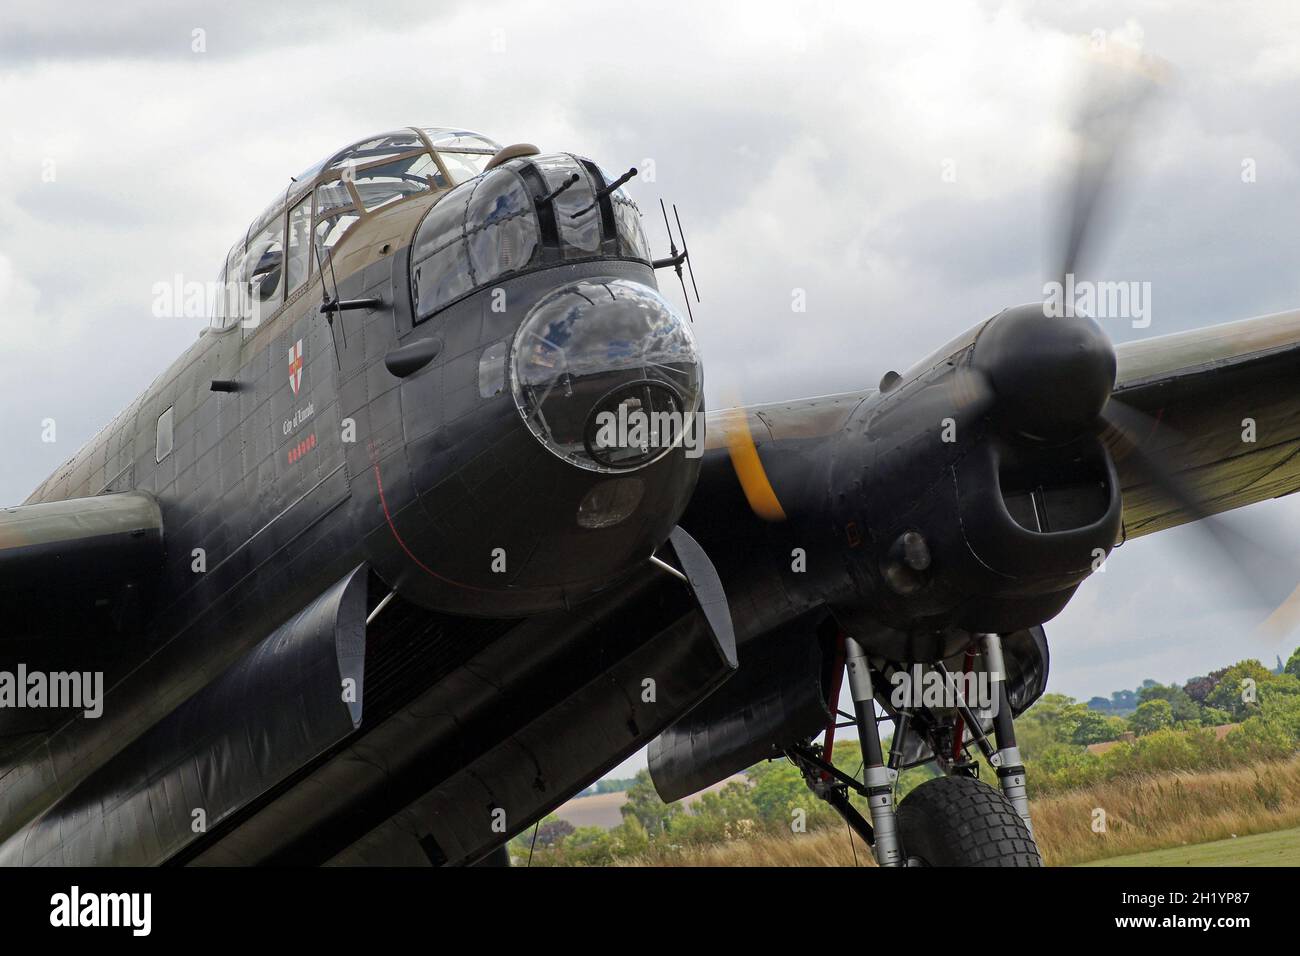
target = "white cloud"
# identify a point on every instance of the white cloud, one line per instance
(20, 327)
(804, 143)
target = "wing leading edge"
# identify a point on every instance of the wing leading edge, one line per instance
(1227, 403)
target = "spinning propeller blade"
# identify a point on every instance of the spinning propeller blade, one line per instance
(749, 468)
(1263, 572)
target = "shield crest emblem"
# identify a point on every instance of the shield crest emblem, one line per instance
(295, 366)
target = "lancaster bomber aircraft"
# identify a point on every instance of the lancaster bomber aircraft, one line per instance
(428, 531)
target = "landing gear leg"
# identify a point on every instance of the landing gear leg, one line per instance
(1008, 763)
(878, 778)
(958, 821)
(952, 820)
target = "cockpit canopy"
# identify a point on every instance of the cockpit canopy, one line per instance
(296, 234)
(502, 223)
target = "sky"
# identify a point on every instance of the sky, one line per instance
(897, 169)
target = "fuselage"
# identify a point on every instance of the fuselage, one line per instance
(290, 445)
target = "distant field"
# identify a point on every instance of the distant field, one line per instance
(1261, 849)
(605, 810)
(598, 810)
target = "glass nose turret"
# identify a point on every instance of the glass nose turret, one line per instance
(607, 375)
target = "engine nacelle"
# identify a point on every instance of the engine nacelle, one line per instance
(961, 522)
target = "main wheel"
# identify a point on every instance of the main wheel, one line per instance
(958, 821)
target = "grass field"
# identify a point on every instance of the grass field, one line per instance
(1261, 849)
(1167, 812)
(1247, 816)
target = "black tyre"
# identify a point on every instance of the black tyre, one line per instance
(958, 821)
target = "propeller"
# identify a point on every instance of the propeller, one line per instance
(1053, 369)
(1108, 119)
(749, 467)
(1120, 88)
(1050, 378)
(1261, 568)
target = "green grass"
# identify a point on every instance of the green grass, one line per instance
(1281, 848)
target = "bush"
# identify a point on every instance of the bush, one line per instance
(1271, 735)
(1152, 715)
(1214, 717)
(1064, 767)
(1293, 664)
(1260, 738)
(1166, 749)
(644, 804)
(1095, 727)
(1183, 706)
(1230, 693)
(779, 790)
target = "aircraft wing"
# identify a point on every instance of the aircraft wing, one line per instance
(1227, 402)
(94, 545)
(1205, 389)
(72, 574)
(775, 421)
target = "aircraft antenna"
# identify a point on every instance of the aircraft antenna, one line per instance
(686, 252)
(675, 258)
(334, 279)
(326, 301)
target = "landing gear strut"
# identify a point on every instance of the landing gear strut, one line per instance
(953, 820)
(1007, 762)
(878, 778)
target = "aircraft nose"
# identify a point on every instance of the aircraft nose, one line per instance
(607, 375)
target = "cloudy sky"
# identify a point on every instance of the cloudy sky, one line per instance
(899, 168)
